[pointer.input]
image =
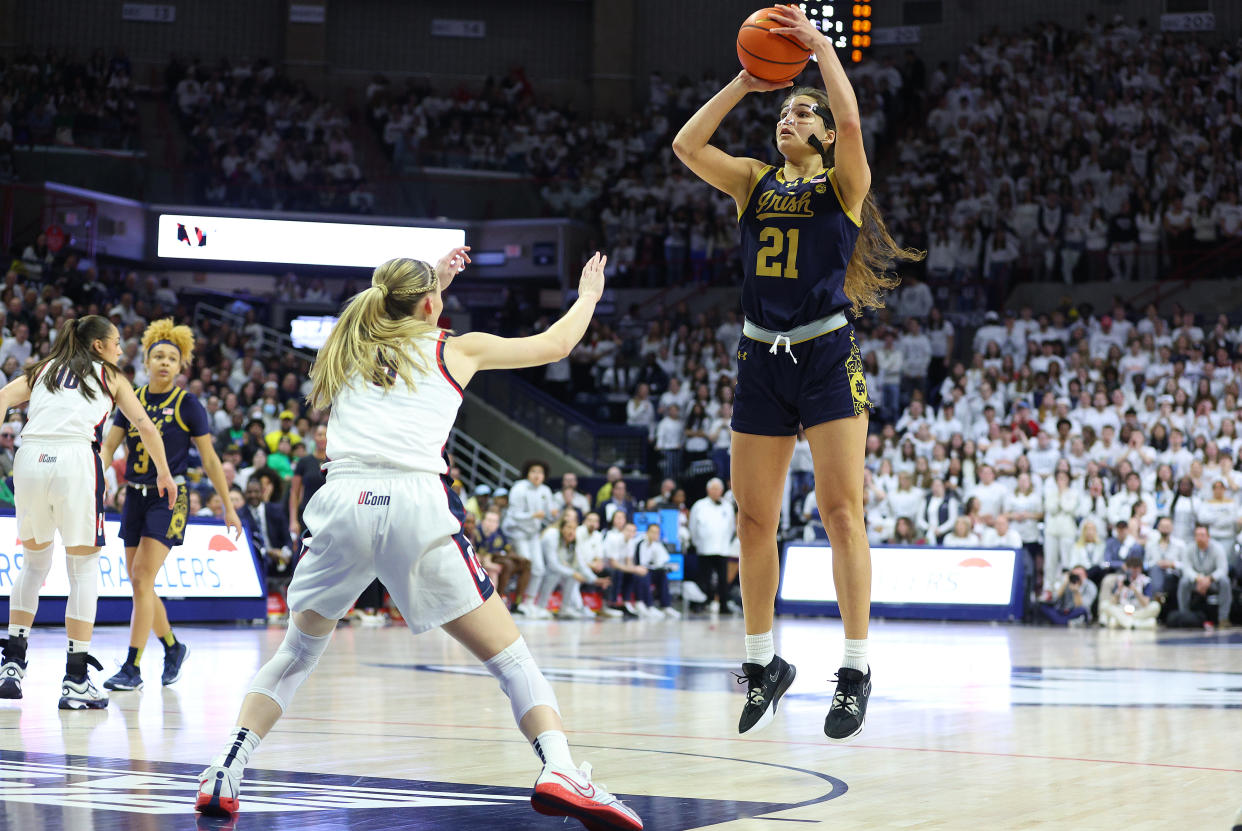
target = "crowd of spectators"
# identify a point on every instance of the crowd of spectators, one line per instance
(1104, 152)
(604, 543)
(258, 139)
(60, 99)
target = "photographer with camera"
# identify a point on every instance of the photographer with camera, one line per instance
(1125, 599)
(1071, 599)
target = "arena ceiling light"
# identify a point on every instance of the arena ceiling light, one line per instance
(242, 240)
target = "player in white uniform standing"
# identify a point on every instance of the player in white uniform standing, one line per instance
(394, 383)
(58, 486)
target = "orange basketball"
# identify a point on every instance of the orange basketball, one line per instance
(771, 57)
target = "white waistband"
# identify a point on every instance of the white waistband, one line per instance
(798, 334)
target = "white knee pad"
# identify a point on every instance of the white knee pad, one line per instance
(83, 586)
(280, 677)
(521, 680)
(35, 566)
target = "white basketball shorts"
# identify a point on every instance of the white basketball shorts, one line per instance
(405, 529)
(59, 486)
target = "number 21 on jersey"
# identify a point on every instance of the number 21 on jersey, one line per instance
(779, 255)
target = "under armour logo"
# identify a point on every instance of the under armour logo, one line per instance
(741, 356)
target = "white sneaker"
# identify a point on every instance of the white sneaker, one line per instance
(81, 695)
(671, 613)
(219, 789)
(573, 614)
(608, 611)
(566, 792)
(691, 591)
(534, 612)
(714, 607)
(647, 611)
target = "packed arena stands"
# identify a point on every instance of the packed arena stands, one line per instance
(54, 99)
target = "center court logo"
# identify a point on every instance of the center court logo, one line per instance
(368, 498)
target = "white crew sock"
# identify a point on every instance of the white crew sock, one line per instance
(759, 649)
(855, 655)
(553, 749)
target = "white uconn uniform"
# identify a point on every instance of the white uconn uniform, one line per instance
(387, 510)
(57, 476)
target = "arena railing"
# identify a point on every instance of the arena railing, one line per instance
(266, 341)
(596, 445)
(479, 465)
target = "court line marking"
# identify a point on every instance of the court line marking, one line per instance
(839, 786)
(792, 742)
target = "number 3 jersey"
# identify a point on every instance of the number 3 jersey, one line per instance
(66, 414)
(179, 417)
(797, 239)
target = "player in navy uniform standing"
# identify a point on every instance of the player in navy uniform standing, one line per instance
(813, 247)
(149, 528)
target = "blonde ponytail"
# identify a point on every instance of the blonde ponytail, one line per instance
(372, 336)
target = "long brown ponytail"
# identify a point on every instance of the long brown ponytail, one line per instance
(868, 275)
(72, 351)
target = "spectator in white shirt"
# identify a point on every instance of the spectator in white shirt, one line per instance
(962, 535)
(712, 527)
(939, 512)
(906, 500)
(653, 556)
(1000, 535)
(669, 440)
(990, 493)
(18, 346)
(640, 412)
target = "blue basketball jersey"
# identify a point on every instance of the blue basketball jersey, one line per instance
(797, 239)
(179, 417)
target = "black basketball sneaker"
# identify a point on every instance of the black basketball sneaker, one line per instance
(849, 706)
(764, 688)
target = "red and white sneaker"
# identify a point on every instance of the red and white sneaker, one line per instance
(218, 792)
(566, 792)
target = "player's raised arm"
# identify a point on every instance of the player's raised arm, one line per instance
(476, 351)
(728, 174)
(853, 174)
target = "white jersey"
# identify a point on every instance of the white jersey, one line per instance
(396, 427)
(66, 414)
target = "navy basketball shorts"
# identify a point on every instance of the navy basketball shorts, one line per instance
(148, 515)
(774, 394)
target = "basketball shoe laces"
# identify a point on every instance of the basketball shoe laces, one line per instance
(755, 694)
(847, 698)
(776, 345)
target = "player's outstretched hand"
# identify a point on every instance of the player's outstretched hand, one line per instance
(591, 284)
(452, 264)
(753, 84)
(168, 488)
(797, 25)
(231, 520)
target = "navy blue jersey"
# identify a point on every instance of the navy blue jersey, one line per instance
(797, 239)
(179, 417)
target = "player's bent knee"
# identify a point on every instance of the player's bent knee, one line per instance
(83, 586)
(293, 662)
(519, 676)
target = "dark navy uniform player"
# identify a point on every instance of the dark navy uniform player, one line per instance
(813, 248)
(149, 528)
